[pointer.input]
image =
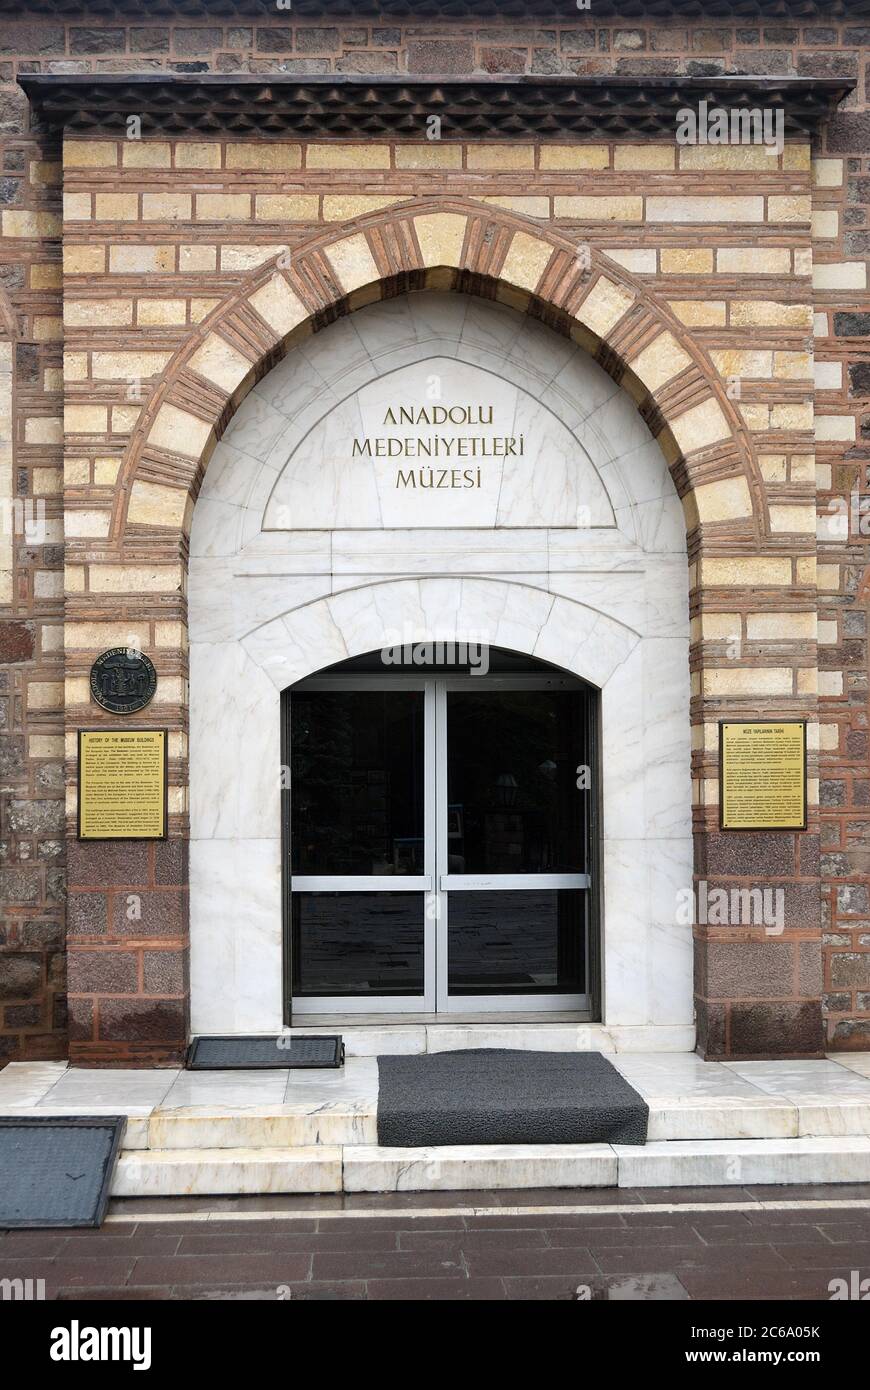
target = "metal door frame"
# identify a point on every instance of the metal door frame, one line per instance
(434, 884)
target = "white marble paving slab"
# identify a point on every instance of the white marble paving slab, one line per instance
(265, 1127)
(852, 1061)
(208, 1172)
(25, 1083)
(226, 1088)
(805, 1082)
(113, 1087)
(452, 1168)
(720, 1163)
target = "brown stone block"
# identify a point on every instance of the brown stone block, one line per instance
(103, 972)
(441, 56)
(710, 1020)
(850, 969)
(16, 641)
(170, 861)
(851, 1035)
(143, 1020)
(748, 853)
(107, 863)
(810, 974)
(161, 913)
(80, 1013)
(808, 853)
(779, 1029)
(165, 972)
(749, 969)
(20, 975)
(86, 914)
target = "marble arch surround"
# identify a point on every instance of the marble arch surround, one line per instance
(609, 603)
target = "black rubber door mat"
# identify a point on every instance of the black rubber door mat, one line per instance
(57, 1170)
(505, 1096)
(254, 1054)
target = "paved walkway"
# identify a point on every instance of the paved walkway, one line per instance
(749, 1243)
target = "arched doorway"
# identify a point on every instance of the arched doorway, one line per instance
(441, 835)
(306, 552)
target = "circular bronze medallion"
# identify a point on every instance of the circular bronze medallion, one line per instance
(123, 680)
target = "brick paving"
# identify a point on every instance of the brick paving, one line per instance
(392, 1247)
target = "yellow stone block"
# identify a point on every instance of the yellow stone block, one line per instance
(218, 361)
(781, 627)
(344, 207)
(45, 694)
(352, 262)
(753, 260)
(136, 579)
(223, 207)
(707, 209)
(729, 157)
(726, 499)
(194, 259)
(171, 207)
(86, 525)
(686, 260)
(753, 680)
(145, 154)
(196, 154)
(85, 419)
(441, 236)
(433, 155)
(526, 206)
(605, 304)
(788, 518)
(94, 636)
(742, 362)
(47, 276)
(797, 157)
(699, 313)
(125, 418)
(661, 361)
(792, 366)
(526, 261)
(128, 366)
(347, 156)
(284, 207)
(84, 260)
(90, 154)
(76, 207)
(116, 207)
(179, 431)
(763, 572)
(700, 427)
(106, 471)
(141, 260)
(507, 156)
(45, 173)
(643, 157)
(264, 156)
(278, 305)
(720, 627)
(31, 224)
(598, 208)
(770, 313)
(797, 416)
(161, 312)
(152, 504)
(43, 429)
(249, 257)
(794, 208)
(76, 472)
(47, 481)
(773, 467)
(568, 158)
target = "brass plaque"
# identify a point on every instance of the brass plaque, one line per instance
(763, 775)
(122, 784)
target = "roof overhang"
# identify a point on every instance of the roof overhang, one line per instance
(356, 107)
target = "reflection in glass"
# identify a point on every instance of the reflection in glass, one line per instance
(357, 943)
(356, 770)
(513, 802)
(516, 942)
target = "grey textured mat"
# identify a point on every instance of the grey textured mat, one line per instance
(57, 1170)
(505, 1096)
(252, 1054)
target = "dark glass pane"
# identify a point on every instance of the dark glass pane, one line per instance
(513, 801)
(357, 943)
(356, 772)
(516, 942)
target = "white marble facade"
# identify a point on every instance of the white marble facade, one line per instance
(303, 555)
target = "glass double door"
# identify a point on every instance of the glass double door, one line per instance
(440, 834)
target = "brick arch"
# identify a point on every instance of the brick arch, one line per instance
(448, 244)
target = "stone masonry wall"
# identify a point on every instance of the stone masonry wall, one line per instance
(143, 238)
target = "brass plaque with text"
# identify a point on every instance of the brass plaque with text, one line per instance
(763, 775)
(122, 784)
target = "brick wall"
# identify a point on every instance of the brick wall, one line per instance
(31, 689)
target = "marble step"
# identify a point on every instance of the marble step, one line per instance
(369, 1168)
(369, 1040)
(350, 1123)
(211, 1172)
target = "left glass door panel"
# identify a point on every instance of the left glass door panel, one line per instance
(358, 844)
